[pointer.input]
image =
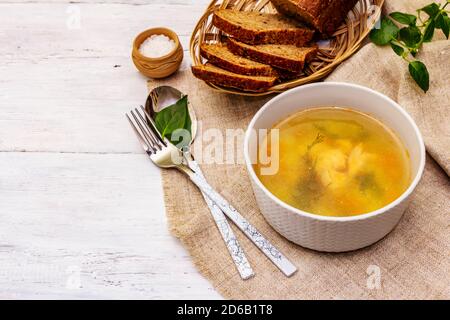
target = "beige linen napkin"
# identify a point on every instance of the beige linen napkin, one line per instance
(413, 260)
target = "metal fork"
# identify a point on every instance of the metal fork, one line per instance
(165, 155)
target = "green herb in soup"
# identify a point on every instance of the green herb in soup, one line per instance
(337, 162)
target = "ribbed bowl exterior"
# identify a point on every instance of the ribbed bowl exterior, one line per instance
(324, 235)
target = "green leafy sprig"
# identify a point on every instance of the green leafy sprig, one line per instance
(415, 31)
(173, 118)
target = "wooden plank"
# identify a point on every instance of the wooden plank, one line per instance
(88, 219)
(36, 31)
(81, 205)
(82, 213)
(72, 109)
(67, 90)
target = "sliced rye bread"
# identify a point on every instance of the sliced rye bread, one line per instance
(219, 55)
(285, 75)
(221, 77)
(286, 57)
(324, 15)
(262, 28)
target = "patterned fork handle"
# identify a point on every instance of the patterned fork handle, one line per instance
(233, 246)
(250, 231)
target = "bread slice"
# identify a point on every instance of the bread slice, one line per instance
(286, 57)
(219, 55)
(285, 75)
(324, 15)
(221, 77)
(262, 28)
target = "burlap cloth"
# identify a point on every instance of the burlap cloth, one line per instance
(413, 260)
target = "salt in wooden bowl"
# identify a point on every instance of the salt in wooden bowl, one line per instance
(159, 67)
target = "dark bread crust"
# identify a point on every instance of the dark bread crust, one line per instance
(234, 66)
(324, 15)
(228, 79)
(282, 62)
(285, 75)
(245, 33)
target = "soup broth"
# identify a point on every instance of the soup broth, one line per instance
(337, 162)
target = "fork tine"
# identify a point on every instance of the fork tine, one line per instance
(144, 144)
(153, 126)
(150, 133)
(143, 133)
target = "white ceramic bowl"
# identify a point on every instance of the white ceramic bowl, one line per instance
(334, 234)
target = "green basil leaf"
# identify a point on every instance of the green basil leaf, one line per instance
(172, 118)
(420, 74)
(429, 31)
(432, 9)
(445, 25)
(397, 49)
(384, 35)
(185, 141)
(411, 36)
(404, 18)
(439, 20)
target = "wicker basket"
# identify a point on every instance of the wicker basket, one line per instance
(346, 40)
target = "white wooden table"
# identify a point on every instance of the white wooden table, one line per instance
(81, 206)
